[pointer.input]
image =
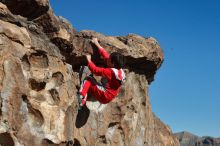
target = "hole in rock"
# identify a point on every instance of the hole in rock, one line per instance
(24, 98)
(112, 124)
(55, 95)
(34, 114)
(35, 85)
(143, 103)
(25, 62)
(76, 142)
(58, 76)
(39, 59)
(6, 140)
(103, 139)
(47, 142)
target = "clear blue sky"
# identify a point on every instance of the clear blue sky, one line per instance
(186, 91)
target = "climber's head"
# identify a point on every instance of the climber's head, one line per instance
(116, 60)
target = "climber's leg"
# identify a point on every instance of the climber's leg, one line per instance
(94, 88)
(82, 95)
(84, 88)
(98, 92)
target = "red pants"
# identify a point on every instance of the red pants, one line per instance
(91, 86)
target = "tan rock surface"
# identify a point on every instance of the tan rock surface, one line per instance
(39, 64)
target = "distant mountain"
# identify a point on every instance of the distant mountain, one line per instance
(189, 139)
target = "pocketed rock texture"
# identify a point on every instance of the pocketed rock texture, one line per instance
(40, 56)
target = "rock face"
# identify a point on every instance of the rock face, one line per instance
(188, 139)
(40, 56)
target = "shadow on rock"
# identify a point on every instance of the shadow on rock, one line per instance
(82, 117)
(76, 143)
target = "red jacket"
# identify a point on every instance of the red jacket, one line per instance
(114, 76)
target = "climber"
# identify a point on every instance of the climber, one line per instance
(114, 75)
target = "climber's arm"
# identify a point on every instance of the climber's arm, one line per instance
(102, 51)
(99, 71)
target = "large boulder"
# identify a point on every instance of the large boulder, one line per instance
(39, 75)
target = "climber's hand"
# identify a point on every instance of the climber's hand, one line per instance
(88, 57)
(94, 41)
